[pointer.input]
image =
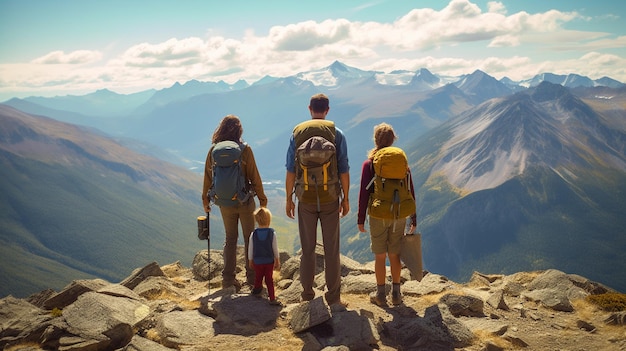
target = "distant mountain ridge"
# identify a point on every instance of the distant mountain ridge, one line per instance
(333, 75)
(418, 100)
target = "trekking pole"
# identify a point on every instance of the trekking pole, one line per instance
(208, 253)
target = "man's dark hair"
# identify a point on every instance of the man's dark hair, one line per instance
(319, 103)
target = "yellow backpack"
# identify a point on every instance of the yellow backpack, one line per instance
(391, 197)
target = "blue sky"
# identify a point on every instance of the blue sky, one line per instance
(63, 47)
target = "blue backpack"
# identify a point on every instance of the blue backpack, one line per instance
(229, 186)
(263, 252)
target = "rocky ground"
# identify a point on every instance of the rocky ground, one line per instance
(523, 324)
(175, 308)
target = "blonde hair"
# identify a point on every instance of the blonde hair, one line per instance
(383, 136)
(263, 216)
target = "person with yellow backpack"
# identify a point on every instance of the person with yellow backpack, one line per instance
(318, 174)
(388, 196)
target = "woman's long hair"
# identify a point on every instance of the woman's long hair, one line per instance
(383, 136)
(228, 129)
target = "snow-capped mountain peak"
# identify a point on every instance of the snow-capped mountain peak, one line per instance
(335, 74)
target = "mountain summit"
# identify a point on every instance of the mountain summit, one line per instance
(498, 140)
(335, 74)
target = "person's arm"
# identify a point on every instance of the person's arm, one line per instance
(251, 251)
(290, 179)
(345, 187)
(208, 181)
(364, 193)
(290, 206)
(253, 175)
(414, 215)
(275, 250)
(343, 167)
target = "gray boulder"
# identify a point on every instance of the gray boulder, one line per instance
(106, 320)
(71, 292)
(309, 314)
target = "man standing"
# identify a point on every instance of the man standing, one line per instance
(322, 192)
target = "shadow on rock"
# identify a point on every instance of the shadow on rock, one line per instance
(240, 314)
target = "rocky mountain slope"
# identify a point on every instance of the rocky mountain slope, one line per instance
(173, 307)
(71, 197)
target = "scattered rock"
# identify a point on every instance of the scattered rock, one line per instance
(516, 341)
(469, 306)
(180, 328)
(309, 314)
(586, 326)
(70, 293)
(496, 300)
(430, 284)
(138, 275)
(618, 318)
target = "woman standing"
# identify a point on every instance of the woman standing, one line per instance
(385, 234)
(230, 129)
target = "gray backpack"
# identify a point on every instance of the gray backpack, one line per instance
(229, 186)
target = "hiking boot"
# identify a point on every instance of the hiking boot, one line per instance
(396, 298)
(257, 291)
(339, 306)
(378, 300)
(246, 288)
(276, 303)
(235, 284)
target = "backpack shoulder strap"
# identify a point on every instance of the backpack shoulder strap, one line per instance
(314, 127)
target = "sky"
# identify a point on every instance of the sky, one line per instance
(72, 47)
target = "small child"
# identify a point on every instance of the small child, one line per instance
(263, 254)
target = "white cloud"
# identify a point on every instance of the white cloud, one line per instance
(73, 58)
(455, 40)
(172, 52)
(309, 35)
(496, 7)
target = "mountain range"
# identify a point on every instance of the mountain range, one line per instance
(180, 119)
(510, 175)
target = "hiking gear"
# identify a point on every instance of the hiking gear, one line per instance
(275, 303)
(234, 284)
(378, 300)
(262, 251)
(257, 291)
(205, 234)
(317, 179)
(396, 296)
(229, 187)
(411, 255)
(203, 227)
(391, 197)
